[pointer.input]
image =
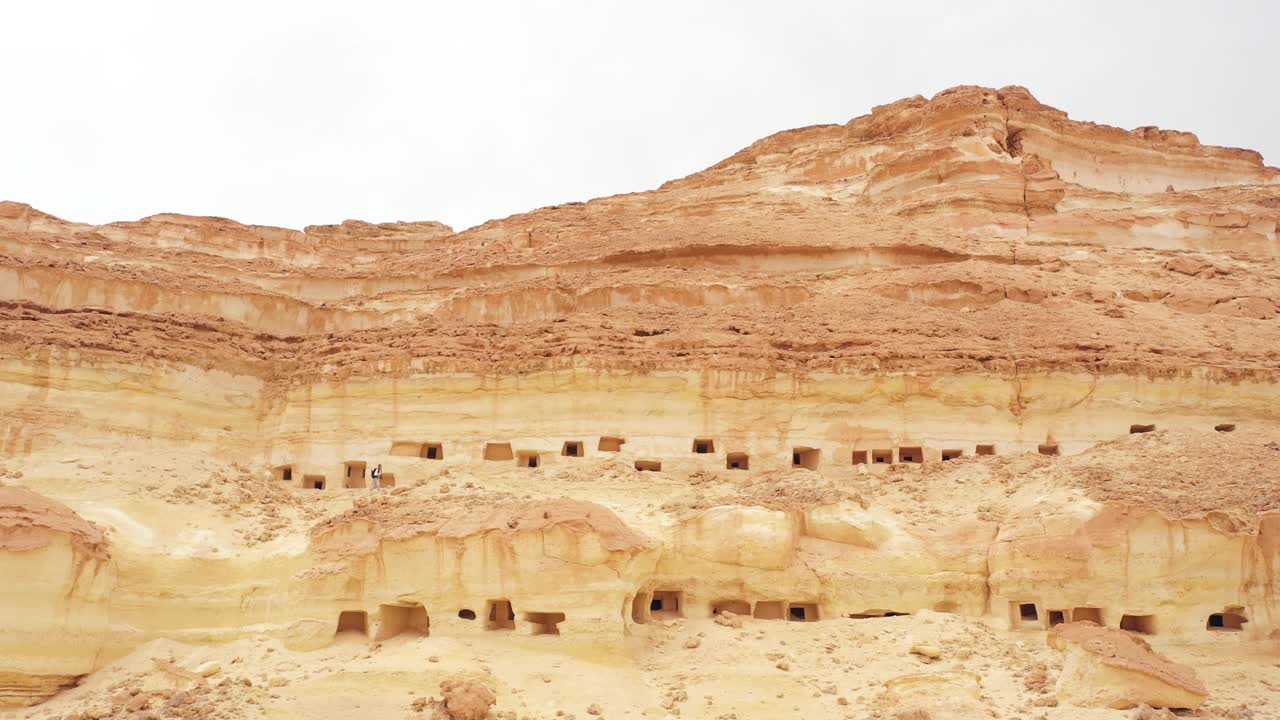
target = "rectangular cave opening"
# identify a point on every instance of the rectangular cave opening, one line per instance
(648, 466)
(859, 457)
(805, 457)
(527, 458)
(1136, 429)
(499, 615)
(984, 450)
(952, 454)
(610, 443)
(737, 461)
(498, 451)
(910, 455)
(666, 604)
(544, 623)
(1051, 449)
(313, 482)
(1087, 614)
(573, 448)
(1225, 427)
(769, 610)
(388, 480)
(403, 619)
(1024, 613)
(1230, 620)
(353, 621)
(704, 446)
(882, 457)
(282, 472)
(802, 612)
(433, 451)
(355, 472)
(737, 607)
(1057, 617)
(1141, 624)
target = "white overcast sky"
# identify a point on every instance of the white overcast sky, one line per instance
(293, 113)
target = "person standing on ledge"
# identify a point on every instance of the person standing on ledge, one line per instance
(377, 477)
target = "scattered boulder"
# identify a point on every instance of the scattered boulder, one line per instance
(1193, 266)
(1110, 668)
(729, 619)
(466, 699)
(926, 650)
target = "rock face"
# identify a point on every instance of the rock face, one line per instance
(960, 354)
(1110, 668)
(54, 602)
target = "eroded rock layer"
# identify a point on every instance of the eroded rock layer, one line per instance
(964, 358)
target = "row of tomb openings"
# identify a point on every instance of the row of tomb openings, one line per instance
(801, 457)
(412, 619)
(669, 604)
(1028, 615)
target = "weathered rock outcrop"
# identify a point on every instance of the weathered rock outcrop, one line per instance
(1110, 668)
(54, 600)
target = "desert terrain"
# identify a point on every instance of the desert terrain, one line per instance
(961, 409)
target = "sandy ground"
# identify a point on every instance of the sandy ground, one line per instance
(766, 669)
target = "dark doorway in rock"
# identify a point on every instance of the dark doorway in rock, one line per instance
(1141, 624)
(467, 614)
(1135, 429)
(704, 446)
(859, 457)
(737, 461)
(1025, 613)
(911, 455)
(1225, 427)
(737, 607)
(666, 604)
(805, 457)
(355, 471)
(498, 451)
(1087, 614)
(433, 451)
(573, 448)
(1057, 617)
(1048, 449)
(881, 457)
(1230, 620)
(802, 612)
(648, 466)
(952, 454)
(313, 482)
(403, 619)
(609, 443)
(499, 615)
(283, 472)
(984, 450)
(388, 480)
(769, 610)
(353, 621)
(544, 623)
(527, 459)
